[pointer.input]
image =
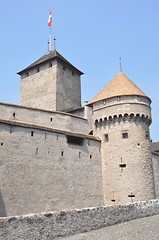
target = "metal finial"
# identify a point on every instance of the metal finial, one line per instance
(120, 64)
(48, 45)
(54, 43)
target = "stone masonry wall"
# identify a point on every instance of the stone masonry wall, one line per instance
(155, 161)
(41, 171)
(126, 161)
(53, 225)
(38, 90)
(56, 120)
(68, 89)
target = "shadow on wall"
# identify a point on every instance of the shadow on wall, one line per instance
(2, 207)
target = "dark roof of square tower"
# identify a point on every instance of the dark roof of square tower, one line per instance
(47, 57)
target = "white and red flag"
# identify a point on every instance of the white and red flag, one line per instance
(50, 19)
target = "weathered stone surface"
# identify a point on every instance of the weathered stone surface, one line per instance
(115, 117)
(143, 229)
(65, 223)
(44, 172)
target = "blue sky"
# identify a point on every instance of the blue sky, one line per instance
(92, 35)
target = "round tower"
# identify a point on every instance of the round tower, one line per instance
(122, 116)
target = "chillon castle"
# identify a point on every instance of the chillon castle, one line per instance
(56, 154)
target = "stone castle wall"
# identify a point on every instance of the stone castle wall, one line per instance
(41, 171)
(55, 120)
(38, 89)
(155, 161)
(53, 225)
(68, 89)
(125, 149)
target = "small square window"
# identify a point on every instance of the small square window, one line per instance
(106, 137)
(125, 135)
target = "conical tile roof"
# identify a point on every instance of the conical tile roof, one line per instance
(120, 85)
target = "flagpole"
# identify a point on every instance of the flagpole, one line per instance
(50, 37)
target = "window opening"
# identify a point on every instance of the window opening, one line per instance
(146, 135)
(125, 135)
(45, 135)
(57, 137)
(50, 65)
(75, 140)
(32, 133)
(62, 153)
(1, 144)
(38, 69)
(64, 68)
(79, 154)
(11, 130)
(90, 156)
(14, 114)
(51, 119)
(27, 74)
(37, 151)
(106, 137)
(118, 99)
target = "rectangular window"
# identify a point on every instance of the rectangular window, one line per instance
(147, 135)
(75, 140)
(32, 133)
(106, 137)
(14, 114)
(125, 134)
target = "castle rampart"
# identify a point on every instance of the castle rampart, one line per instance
(42, 169)
(51, 119)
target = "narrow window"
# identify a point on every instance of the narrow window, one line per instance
(90, 156)
(147, 135)
(125, 135)
(11, 130)
(104, 101)
(64, 68)
(37, 151)
(73, 73)
(27, 74)
(88, 143)
(51, 119)
(38, 70)
(14, 114)
(1, 144)
(79, 154)
(62, 153)
(45, 135)
(106, 137)
(118, 99)
(32, 133)
(50, 65)
(57, 137)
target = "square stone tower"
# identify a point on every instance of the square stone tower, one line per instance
(51, 83)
